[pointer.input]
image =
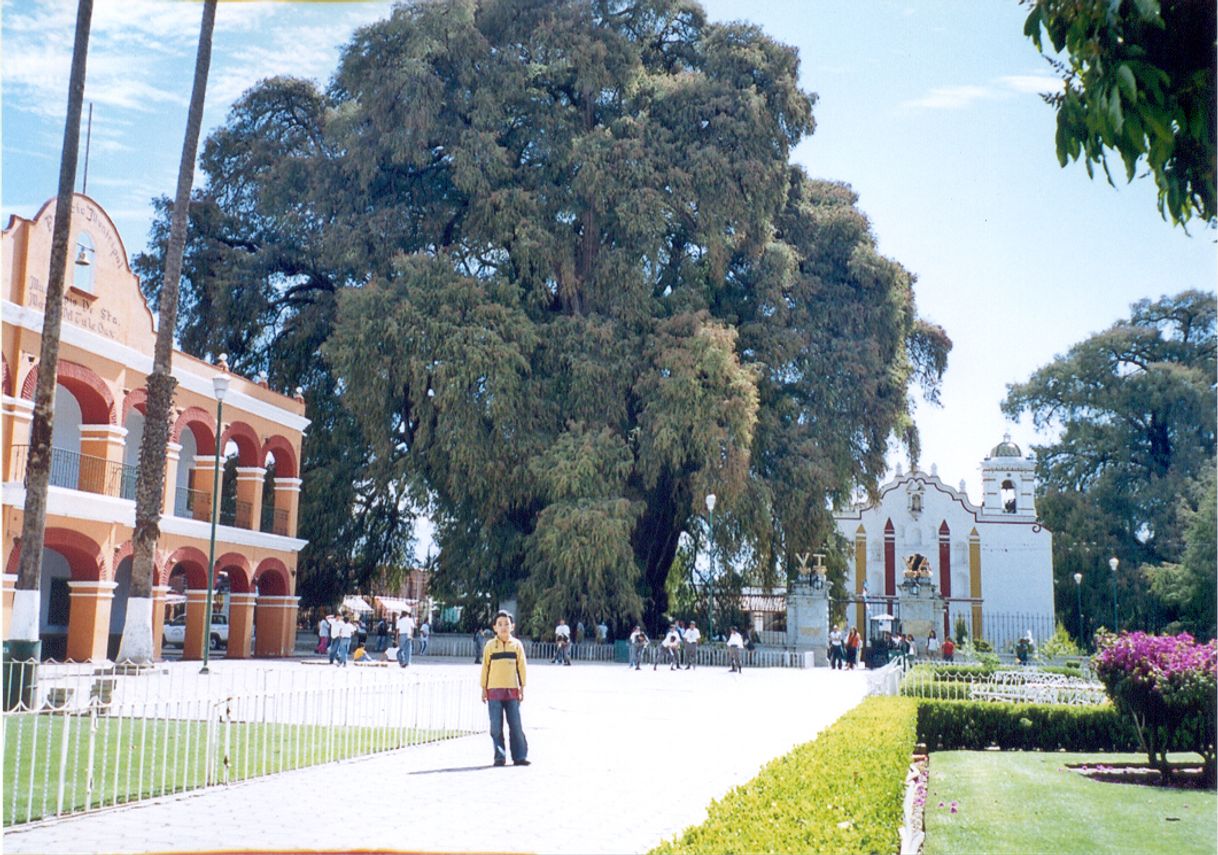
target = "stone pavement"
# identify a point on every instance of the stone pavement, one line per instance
(621, 760)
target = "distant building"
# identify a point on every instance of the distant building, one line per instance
(106, 348)
(993, 563)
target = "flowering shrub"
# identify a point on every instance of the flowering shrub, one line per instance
(1168, 685)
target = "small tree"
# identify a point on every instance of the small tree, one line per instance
(1168, 685)
(1060, 644)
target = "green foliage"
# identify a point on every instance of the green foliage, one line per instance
(1190, 588)
(1059, 644)
(946, 725)
(1133, 409)
(1139, 79)
(956, 673)
(806, 802)
(961, 629)
(924, 683)
(558, 264)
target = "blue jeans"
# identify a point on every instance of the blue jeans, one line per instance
(520, 746)
(404, 652)
(423, 645)
(342, 649)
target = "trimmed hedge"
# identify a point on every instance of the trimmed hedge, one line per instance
(841, 793)
(977, 725)
(926, 685)
(963, 673)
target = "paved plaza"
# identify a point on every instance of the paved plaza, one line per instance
(621, 760)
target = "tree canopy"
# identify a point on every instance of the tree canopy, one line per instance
(1139, 79)
(566, 282)
(1135, 406)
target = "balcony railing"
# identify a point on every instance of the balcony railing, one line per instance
(274, 520)
(238, 514)
(192, 504)
(76, 471)
(196, 505)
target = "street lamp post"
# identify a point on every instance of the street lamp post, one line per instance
(220, 386)
(1078, 590)
(710, 586)
(1113, 564)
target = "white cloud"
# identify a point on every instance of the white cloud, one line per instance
(1033, 84)
(966, 95)
(951, 97)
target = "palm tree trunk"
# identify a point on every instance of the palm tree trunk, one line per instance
(27, 600)
(137, 643)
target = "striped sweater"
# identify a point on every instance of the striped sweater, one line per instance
(503, 669)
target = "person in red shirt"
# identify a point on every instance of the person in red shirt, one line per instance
(949, 649)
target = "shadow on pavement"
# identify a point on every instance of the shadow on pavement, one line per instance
(453, 769)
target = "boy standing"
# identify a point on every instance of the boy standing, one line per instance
(503, 680)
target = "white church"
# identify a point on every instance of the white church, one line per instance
(992, 563)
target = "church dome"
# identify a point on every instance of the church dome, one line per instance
(1006, 448)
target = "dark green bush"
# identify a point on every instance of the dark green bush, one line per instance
(841, 793)
(946, 725)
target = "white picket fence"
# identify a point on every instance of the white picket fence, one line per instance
(83, 738)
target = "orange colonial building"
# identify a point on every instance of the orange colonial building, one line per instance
(105, 356)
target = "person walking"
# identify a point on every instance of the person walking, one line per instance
(562, 637)
(949, 649)
(405, 628)
(932, 646)
(333, 620)
(853, 642)
(735, 644)
(836, 650)
(343, 632)
(382, 635)
(504, 672)
(424, 635)
(323, 634)
(693, 635)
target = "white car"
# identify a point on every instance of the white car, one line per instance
(174, 632)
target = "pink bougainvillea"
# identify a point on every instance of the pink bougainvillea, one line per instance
(1168, 685)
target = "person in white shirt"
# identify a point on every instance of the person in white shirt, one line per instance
(672, 647)
(424, 636)
(837, 652)
(692, 637)
(636, 647)
(343, 631)
(405, 628)
(735, 644)
(562, 635)
(323, 634)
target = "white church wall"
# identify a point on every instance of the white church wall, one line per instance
(1016, 552)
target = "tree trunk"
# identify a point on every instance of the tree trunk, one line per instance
(27, 600)
(137, 642)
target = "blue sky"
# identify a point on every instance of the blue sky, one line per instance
(929, 110)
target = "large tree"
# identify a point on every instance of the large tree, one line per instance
(137, 642)
(1134, 408)
(26, 599)
(1138, 80)
(578, 285)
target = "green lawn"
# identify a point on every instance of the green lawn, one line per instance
(1026, 802)
(139, 758)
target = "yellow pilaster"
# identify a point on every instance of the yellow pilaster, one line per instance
(974, 579)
